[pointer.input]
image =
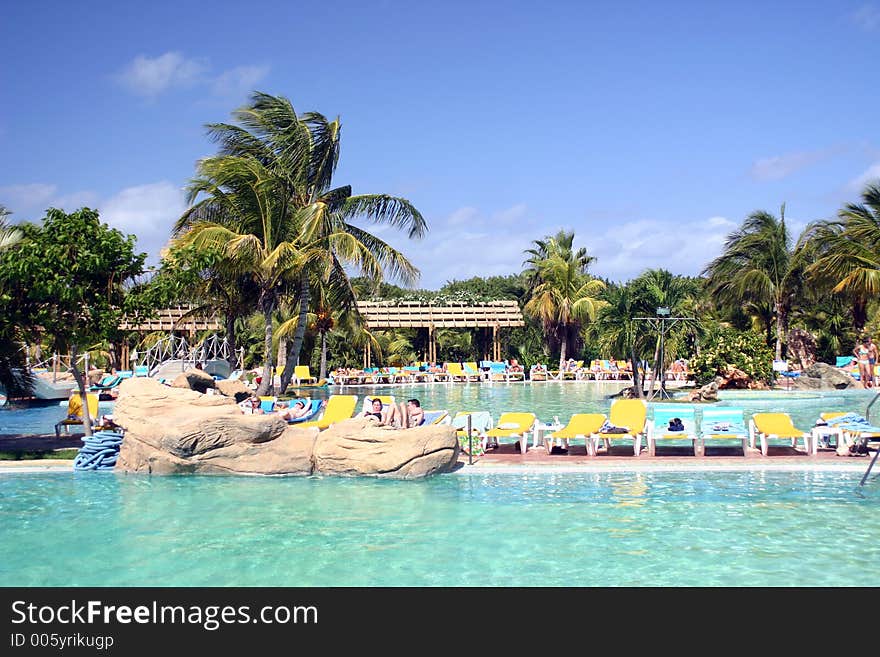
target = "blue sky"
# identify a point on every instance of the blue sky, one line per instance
(651, 129)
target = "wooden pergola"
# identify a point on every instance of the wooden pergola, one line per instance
(170, 320)
(414, 314)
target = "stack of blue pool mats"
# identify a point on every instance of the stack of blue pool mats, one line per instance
(99, 452)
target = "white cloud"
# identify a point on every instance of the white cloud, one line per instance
(150, 77)
(148, 211)
(872, 173)
(781, 166)
(867, 17)
(76, 200)
(461, 216)
(511, 214)
(239, 80)
(624, 251)
(27, 198)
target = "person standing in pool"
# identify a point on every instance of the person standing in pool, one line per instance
(866, 356)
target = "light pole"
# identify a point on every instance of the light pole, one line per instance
(662, 323)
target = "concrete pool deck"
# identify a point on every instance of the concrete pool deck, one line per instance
(507, 459)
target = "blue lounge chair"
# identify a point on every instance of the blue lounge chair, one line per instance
(314, 407)
(267, 404)
(109, 382)
(661, 427)
(724, 424)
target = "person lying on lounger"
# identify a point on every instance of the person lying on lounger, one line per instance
(298, 410)
(405, 416)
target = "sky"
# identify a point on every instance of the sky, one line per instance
(650, 129)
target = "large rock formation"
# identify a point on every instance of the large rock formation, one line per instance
(236, 389)
(360, 447)
(175, 430)
(822, 376)
(708, 393)
(194, 379)
(732, 377)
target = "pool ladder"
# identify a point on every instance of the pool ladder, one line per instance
(877, 452)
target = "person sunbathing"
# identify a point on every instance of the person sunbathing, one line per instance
(298, 410)
(251, 406)
(404, 416)
(378, 411)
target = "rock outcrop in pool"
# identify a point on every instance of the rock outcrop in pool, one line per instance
(175, 430)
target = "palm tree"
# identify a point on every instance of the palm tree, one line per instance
(562, 244)
(302, 152)
(657, 288)
(244, 216)
(848, 252)
(758, 267)
(15, 379)
(565, 298)
(8, 235)
(206, 278)
(617, 328)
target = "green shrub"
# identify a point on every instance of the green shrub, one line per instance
(725, 347)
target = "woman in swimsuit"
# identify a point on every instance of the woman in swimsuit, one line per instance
(866, 355)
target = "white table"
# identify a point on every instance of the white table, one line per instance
(540, 429)
(818, 433)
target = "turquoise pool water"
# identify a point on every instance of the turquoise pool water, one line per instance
(38, 418)
(753, 528)
(547, 400)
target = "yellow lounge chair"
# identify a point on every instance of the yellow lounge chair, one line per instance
(75, 412)
(581, 425)
(456, 373)
(302, 374)
(339, 407)
(470, 368)
(630, 413)
(512, 425)
(767, 426)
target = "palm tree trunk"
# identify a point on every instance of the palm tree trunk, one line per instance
(654, 370)
(81, 384)
(781, 322)
(562, 346)
(859, 314)
(299, 334)
(266, 385)
(230, 339)
(323, 374)
(637, 384)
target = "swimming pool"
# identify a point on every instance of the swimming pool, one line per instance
(39, 418)
(546, 400)
(636, 528)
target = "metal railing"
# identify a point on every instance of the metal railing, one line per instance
(877, 451)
